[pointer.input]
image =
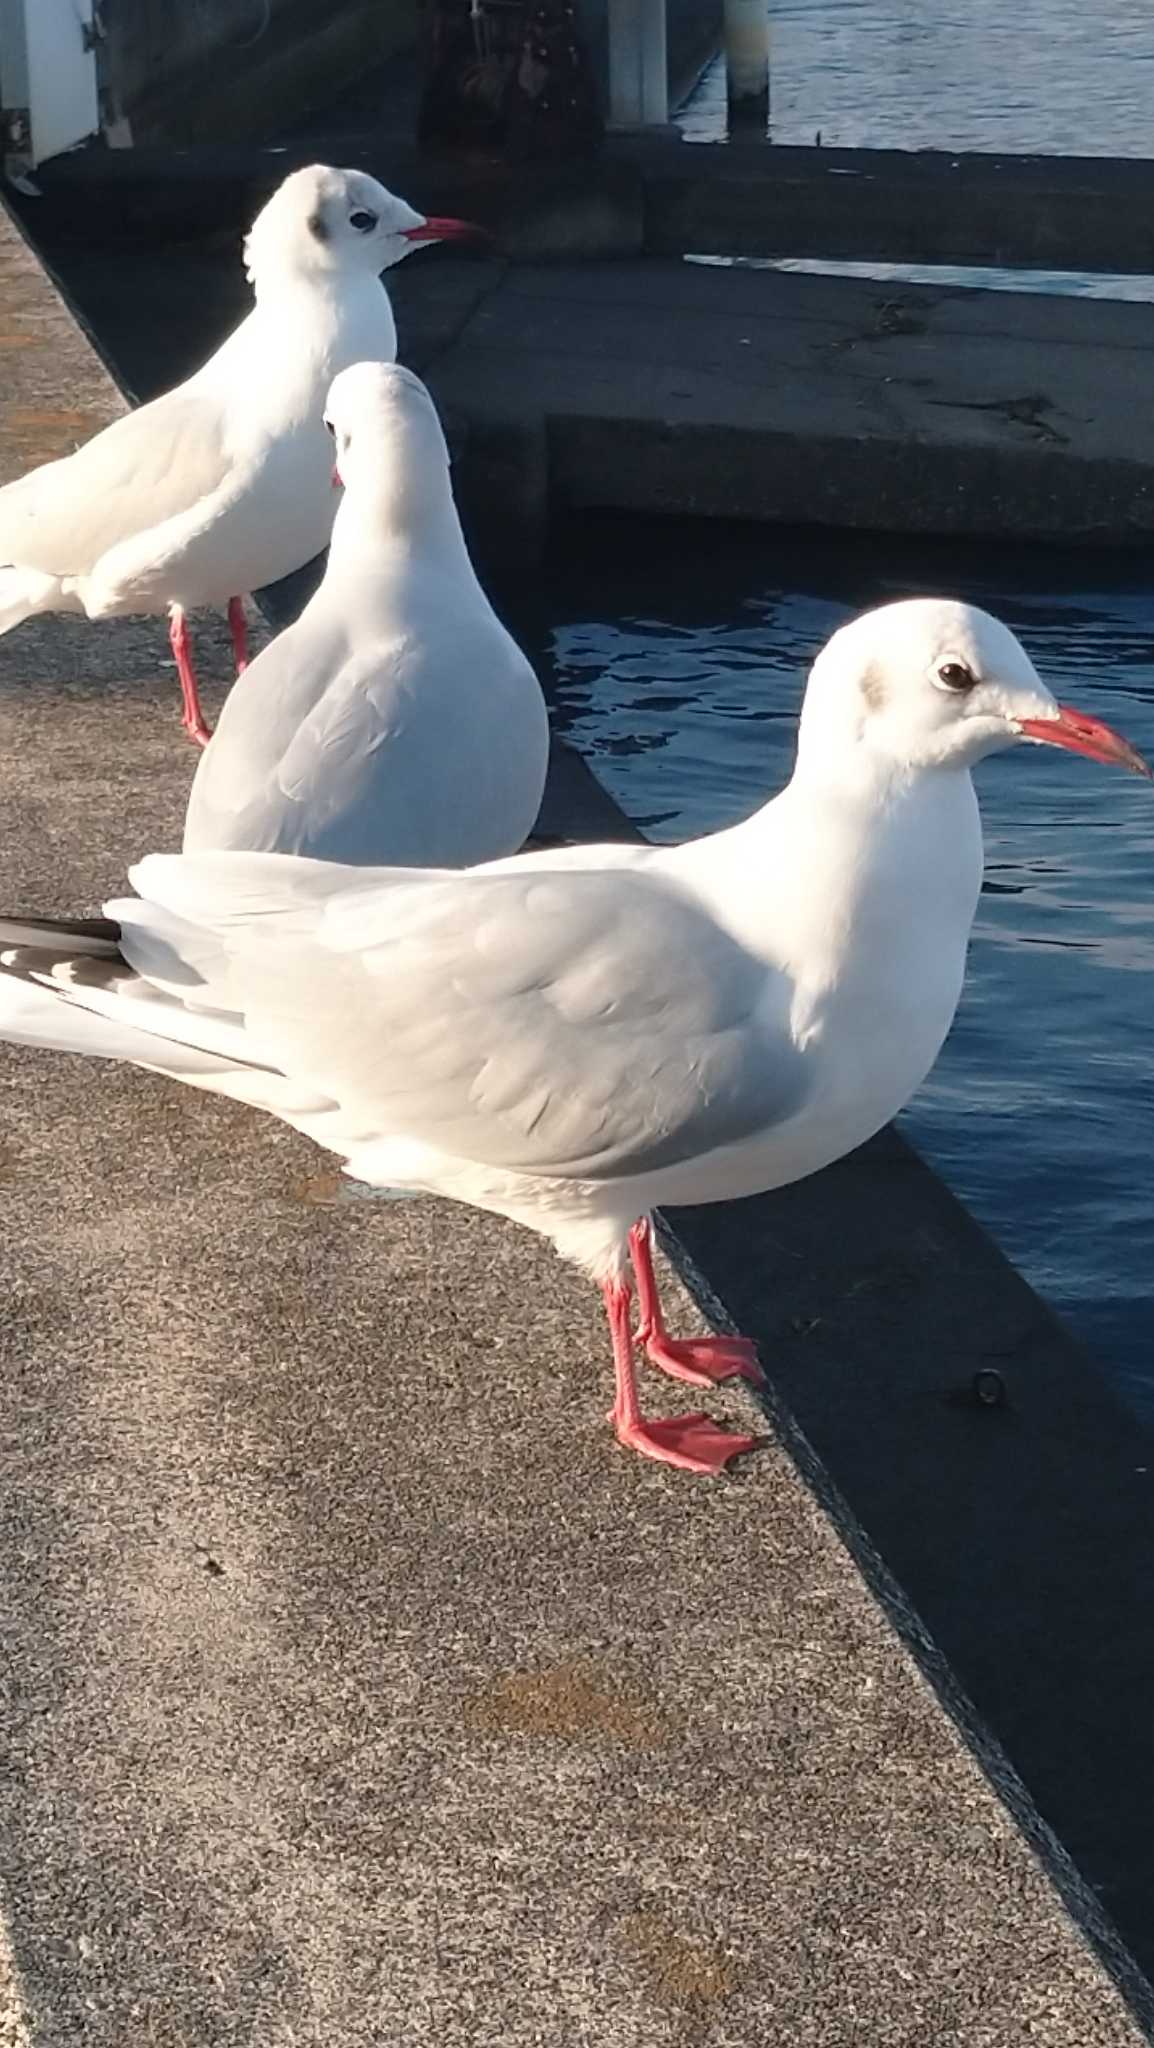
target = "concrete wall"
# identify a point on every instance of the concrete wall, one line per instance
(238, 70)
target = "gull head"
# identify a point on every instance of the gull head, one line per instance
(388, 442)
(323, 222)
(932, 683)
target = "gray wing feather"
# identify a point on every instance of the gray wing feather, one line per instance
(571, 1024)
(296, 753)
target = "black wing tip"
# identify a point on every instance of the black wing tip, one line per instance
(98, 937)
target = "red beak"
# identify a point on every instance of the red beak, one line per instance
(441, 229)
(338, 484)
(1081, 734)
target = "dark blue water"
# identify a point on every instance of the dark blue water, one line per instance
(679, 662)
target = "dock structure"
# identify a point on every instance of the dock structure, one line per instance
(589, 364)
(358, 1690)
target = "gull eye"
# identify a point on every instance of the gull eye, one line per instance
(330, 429)
(954, 675)
(363, 222)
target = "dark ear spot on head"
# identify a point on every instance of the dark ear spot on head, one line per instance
(873, 687)
(317, 227)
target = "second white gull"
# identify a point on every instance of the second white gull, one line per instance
(396, 721)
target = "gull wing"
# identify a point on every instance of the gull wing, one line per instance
(583, 1024)
(139, 473)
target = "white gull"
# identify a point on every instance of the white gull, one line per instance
(396, 721)
(224, 483)
(573, 1038)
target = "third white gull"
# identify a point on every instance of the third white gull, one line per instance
(225, 483)
(396, 721)
(572, 1038)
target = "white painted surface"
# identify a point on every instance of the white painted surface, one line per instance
(44, 44)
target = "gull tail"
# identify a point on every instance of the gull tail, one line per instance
(24, 592)
(66, 986)
(50, 969)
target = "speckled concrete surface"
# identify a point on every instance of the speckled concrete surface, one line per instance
(358, 1690)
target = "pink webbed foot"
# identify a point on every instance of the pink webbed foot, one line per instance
(692, 1442)
(238, 628)
(701, 1361)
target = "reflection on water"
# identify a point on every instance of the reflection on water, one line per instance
(1053, 76)
(678, 671)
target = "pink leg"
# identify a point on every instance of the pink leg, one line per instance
(692, 1442)
(193, 719)
(700, 1360)
(238, 627)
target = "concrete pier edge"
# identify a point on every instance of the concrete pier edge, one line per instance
(757, 1264)
(656, 195)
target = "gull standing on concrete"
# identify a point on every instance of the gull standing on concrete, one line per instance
(572, 1038)
(397, 721)
(225, 483)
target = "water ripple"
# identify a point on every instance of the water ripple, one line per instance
(1066, 79)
